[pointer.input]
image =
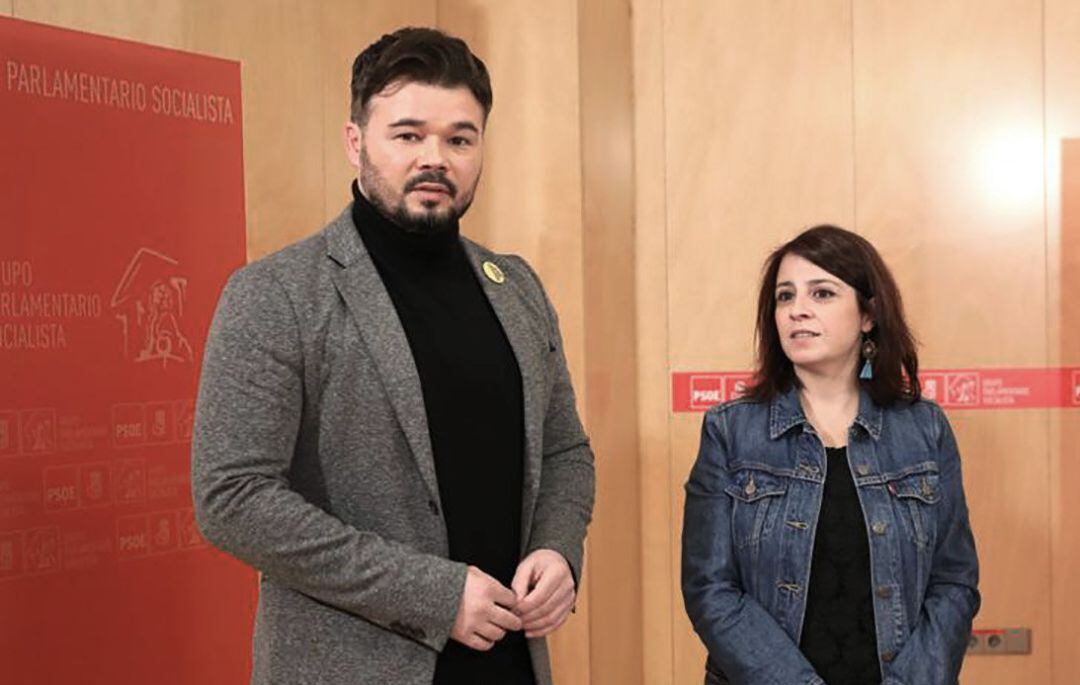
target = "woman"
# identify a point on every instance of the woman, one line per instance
(826, 536)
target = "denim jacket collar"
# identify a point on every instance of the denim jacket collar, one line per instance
(785, 413)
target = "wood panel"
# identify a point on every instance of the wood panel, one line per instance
(159, 22)
(1062, 36)
(607, 125)
(759, 144)
(948, 123)
(278, 45)
(530, 198)
(660, 602)
(346, 28)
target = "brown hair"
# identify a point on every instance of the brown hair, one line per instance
(852, 259)
(417, 55)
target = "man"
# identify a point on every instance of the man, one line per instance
(385, 426)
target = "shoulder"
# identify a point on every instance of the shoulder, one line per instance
(738, 416)
(922, 417)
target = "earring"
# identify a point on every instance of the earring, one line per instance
(869, 351)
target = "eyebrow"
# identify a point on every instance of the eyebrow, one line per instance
(815, 281)
(416, 123)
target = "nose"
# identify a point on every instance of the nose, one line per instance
(797, 310)
(431, 155)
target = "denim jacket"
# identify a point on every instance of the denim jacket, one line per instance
(752, 504)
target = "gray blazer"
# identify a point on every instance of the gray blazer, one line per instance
(311, 461)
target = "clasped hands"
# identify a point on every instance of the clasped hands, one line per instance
(538, 601)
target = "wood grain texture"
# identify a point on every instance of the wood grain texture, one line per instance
(758, 137)
(661, 602)
(159, 22)
(948, 128)
(1062, 35)
(607, 150)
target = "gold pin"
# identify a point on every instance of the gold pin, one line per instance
(750, 488)
(494, 273)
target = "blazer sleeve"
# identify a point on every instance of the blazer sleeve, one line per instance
(742, 638)
(564, 502)
(247, 420)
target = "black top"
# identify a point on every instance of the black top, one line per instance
(473, 399)
(838, 637)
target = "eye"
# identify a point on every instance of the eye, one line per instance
(460, 141)
(407, 136)
(823, 294)
(785, 296)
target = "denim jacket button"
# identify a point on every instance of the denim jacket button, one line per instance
(879, 527)
(888, 656)
(862, 469)
(750, 488)
(884, 591)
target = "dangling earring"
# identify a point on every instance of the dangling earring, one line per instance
(869, 351)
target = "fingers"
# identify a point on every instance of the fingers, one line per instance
(475, 641)
(503, 596)
(522, 578)
(490, 632)
(546, 586)
(551, 615)
(504, 618)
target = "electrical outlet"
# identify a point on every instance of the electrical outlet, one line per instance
(1000, 641)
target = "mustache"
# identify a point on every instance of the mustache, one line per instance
(431, 177)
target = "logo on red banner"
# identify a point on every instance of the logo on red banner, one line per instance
(952, 388)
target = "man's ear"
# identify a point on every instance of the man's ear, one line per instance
(354, 140)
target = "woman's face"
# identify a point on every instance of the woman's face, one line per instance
(818, 318)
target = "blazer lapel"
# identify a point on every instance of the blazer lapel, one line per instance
(365, 296)
(530, 348)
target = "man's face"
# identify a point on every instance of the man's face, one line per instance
(418, 157)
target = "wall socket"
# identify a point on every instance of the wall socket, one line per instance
(1000, 641)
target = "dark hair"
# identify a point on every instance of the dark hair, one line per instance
(419, 55)
(852, 259)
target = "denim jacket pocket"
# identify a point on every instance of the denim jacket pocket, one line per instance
(756, 498)
(916, 493)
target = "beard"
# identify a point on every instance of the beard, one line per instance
(428, 221)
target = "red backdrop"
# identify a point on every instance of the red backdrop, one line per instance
(121, 215)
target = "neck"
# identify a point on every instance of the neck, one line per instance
(830, 402)
(828, 388)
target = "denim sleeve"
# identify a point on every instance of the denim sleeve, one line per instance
(935, 650)
(743, 639)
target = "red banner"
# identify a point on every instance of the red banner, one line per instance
(951, 388)
(121, 215)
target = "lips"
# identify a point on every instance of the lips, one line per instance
(432, 188)
(802, 335)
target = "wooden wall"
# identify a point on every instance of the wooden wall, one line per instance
(935, 129)
(644, 155)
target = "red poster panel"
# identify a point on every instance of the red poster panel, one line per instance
(951, 388)
(121, 215)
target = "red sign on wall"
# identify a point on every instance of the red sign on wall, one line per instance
(121, 215)
(951, 388)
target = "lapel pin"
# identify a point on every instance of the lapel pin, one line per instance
(494, 273)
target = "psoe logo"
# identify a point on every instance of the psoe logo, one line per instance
(149, 303)
(705, 391)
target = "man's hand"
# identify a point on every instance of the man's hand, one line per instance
(485, 613)
(545, 591)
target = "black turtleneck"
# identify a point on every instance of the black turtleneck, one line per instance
(473, 399)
